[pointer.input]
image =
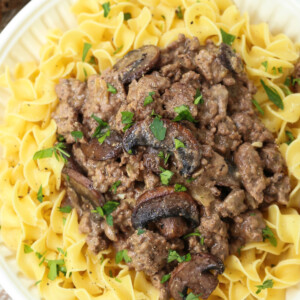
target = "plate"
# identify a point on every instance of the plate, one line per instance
(20, 41)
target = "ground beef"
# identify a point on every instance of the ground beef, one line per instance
(226, 169)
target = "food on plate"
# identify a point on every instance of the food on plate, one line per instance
(152, 154)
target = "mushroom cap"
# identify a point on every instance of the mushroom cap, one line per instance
(136, 63)
(110, 148)
(164, 202)
(83, 186)
(187, 158)
(195, 275)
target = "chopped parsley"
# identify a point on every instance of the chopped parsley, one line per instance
(64, 221)
(106, 8)
(106, 210)
(127, 16)
(196, 233)
(274, 70)
(190, 296)
(111, 88)
(57, 150)
(38, 282)
(273, 95)
(118, 50)
(127, 119)
(77, 135)
(86, 48)
(173, 255)
(40, 194)
(56, 266)
(227, 38)
(265, 64)
(149, 98)
(296, 80)
(122, 255)
(92, 60)
(179, 144)
(280, 70)
(165, 278)
(60, 250)
(191, 179)
(290, 136)
(183, 113)
(158, 129)
(179, 13)
(165, 176)
(102, 131)
(140, 231)
(66, 209)
(198, 98)
(258, 107)
(154, 114)
(267, 284)
(269, 235)
(164, 156)
(27, 249)
(286, 90)
(115, 186)
(85, 73)
(179, 188)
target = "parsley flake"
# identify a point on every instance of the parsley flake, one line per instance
(165, 278)
(158, 129)
(164, 156)
(173, 255)
(179, 188)
(140, 231)
(57, 150)
(122, 255)
(273, 95)
(196, 233)
(179, 144)
(127, 16)
(111, 88)
(40, 194)
(149, 98)
(56, 266)
(27, 249)
(184, 113)
(106, 210)
(296, 80)
(127, 118)
(258, 107)
(227, 38)
(102, 131)
(269, 235)
(38, 282)
(77, 135)
(86, 48)
(179, 13)
(280, 70)
(106, 8)
(265, 64)
(165, 176)
(115, 186)
(92, 60)
(290, 136)
(198, 99)
(267, 284)
(66, 209)
(103, 137)
(118, 50)
(191, 296)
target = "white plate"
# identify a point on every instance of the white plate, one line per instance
(21, 40)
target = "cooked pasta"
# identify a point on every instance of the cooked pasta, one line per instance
(47, 240)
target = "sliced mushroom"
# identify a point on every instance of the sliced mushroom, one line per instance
(187, 158)
(230, 60)
(136, 63)
(110, 148)
(196, 275)
(164, 202)
(83, 187)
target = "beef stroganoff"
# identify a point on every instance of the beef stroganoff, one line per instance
(154, 173)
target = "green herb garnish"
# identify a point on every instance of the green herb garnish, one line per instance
(106, 210)
(258, 107)
(198, 97)
(101, 132)
(165, 176)
(179, 188)
(149, 98)
(164, 156)
(179, 12)
(27, 249)
(40, 194)
(106, 8)
(127, 118)
(184, 113)
(269, 235)
(165, 278)
(86, 48)
(265, 64)
(179, 144)
(118, 50)
(127, 16)
(158, 129)
(227, 38)
(273, 95)
(77, 135)
(122, 255)
(56, 266)
(267, 284)
(173, 255)
(57, 150)
(65, 209)
(111, 88)
(140, 231)
(290, 136)
(115, 186)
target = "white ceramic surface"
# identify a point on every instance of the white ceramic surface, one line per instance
(20, 41)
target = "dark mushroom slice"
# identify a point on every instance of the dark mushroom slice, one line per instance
(230, 60)
(136, 63)
(187, 158)
(110, 148)
(164, 202)
(83, 187)
(196, 275)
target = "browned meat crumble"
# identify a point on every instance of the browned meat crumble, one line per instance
(177, 209)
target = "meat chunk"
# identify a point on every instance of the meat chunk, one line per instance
(248, 227)
(250, 168)
(148, 251)
(251, 128)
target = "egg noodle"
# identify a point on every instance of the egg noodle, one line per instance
(48, 245)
